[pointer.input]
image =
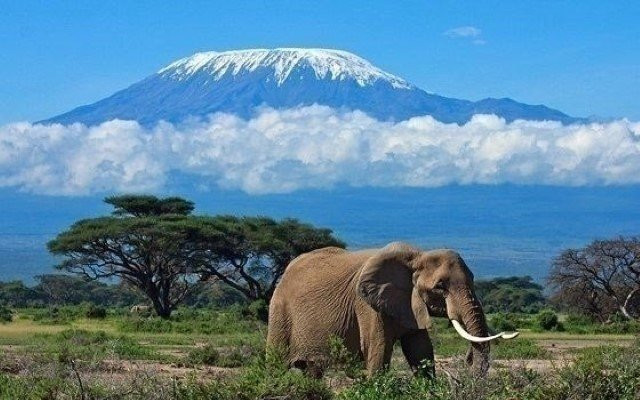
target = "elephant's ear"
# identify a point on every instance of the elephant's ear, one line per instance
(385, 283)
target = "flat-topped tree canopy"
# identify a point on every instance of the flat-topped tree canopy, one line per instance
(148, 205)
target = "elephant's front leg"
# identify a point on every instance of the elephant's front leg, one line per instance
(379, 357)
(378, 350)
(418, 351)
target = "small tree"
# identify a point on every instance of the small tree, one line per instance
(148, 243)
(597, 279)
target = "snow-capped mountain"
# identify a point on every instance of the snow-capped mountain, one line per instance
(241, 80)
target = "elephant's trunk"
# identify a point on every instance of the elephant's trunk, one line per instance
(470, 314)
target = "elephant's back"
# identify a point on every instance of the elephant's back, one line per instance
(323, 267)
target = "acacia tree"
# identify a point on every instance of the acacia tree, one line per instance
(597, 278)
(250, 254)
(158, 247)
(147, 242)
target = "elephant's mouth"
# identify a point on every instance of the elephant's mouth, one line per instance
(476, 339)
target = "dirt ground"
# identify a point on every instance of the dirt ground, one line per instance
(116, 371)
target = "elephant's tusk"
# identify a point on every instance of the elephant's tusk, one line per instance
(476, 339)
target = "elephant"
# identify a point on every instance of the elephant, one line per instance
(372, 298)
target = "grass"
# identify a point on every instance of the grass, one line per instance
(48, 353)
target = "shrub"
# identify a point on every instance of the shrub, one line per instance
(269, 376)
(206, 354)
(6, 315)
(96, 312)
(504, 322)
(342, 359)
(259, 310)
(57, 315)
(548, 320)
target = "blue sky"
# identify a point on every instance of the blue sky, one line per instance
(580, 57)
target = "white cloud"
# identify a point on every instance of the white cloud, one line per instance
(315, 147)
(466, 32)
(463, 31)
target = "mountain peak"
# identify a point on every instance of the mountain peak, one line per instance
(239, 81)
(283, 63)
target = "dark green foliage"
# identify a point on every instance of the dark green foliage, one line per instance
(156, 246)
(6, 315)
(58, 289)
(548, 320)
(505, 322)
(258, 310)
(250, 254)
(146, 206)
(96, 312)
(213, 294)
(207, 354)
(17, 294)
(68, 289)
(56, 315)
(510, 295)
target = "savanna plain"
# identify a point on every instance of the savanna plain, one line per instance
(91, 352)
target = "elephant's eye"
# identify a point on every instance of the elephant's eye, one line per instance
(440, 285)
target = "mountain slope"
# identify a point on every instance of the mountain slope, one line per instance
(239, 81)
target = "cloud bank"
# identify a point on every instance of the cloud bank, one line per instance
(315, 147)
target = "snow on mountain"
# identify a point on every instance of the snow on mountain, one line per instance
(238, 81)
(334, 64)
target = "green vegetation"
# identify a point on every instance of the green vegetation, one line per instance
(210, 278)
(48, 358)
(516, 294)
(6, 315)
(157, 246)
(548, 320)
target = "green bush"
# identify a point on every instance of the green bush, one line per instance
(259, 310)
(96, 312)
(207, 355)
(6, 315)
(504, 322)
(56, 315)
(547, 320)
(267, 377)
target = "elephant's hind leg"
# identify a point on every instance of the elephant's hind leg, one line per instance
(418, 351)
(279, 331)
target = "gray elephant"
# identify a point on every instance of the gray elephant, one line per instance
(371, 299)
